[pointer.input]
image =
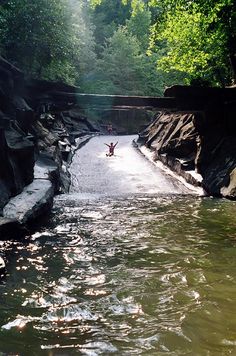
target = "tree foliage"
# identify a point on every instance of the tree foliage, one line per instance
(197, 38)
(107, 18)
(36, 32)
(122, 46)
(119, 70)
(48, 39)
(139, 25)
(193, 49)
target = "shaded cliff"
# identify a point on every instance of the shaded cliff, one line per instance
(198, 136)
(37, 133)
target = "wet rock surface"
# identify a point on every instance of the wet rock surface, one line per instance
(35, 199)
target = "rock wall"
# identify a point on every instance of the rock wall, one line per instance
(39, 122)
(198, 138)
(35, 127)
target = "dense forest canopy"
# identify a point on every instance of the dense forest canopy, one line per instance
(122, 46)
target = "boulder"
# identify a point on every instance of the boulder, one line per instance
(35, 200)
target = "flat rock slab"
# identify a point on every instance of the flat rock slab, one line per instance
(35, 200)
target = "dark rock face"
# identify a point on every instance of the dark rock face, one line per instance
(173, 134)
(11, 228)
(202, 139)
(17, 157)
(37, 123)
(16, 151)
(5, 172)
(173, 137)
(21, 159)
(216, 162)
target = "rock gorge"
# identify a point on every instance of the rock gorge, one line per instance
(39, 124)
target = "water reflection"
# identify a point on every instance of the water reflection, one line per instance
(142, 275)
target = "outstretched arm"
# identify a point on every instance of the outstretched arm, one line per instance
(116, 144)
(106, 144)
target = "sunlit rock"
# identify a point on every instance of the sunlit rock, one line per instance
(230, 190)
(173, 139)
(35, 200)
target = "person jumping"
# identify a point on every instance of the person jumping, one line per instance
(111, 148)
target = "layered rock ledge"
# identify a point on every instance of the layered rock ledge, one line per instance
(197, 139)
(37, 139)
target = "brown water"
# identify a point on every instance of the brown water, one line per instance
(126, 274)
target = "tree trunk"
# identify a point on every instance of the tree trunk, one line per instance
(232, 59)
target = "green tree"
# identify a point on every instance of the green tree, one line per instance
(193, 37)
(196, 40)
(154, 79)
(107, 18)
(193, 48)
(34, 35)
(84, 59)
(124, 69)
(48, 39)
(120, 68)
(139, 25)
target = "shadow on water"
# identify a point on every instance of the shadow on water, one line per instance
(131, 273)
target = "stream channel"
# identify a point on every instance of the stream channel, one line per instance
(130, 262)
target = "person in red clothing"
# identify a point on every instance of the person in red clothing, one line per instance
(111, 148)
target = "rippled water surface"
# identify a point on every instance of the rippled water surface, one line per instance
(131, 274)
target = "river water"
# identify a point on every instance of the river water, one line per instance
(129, 263)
